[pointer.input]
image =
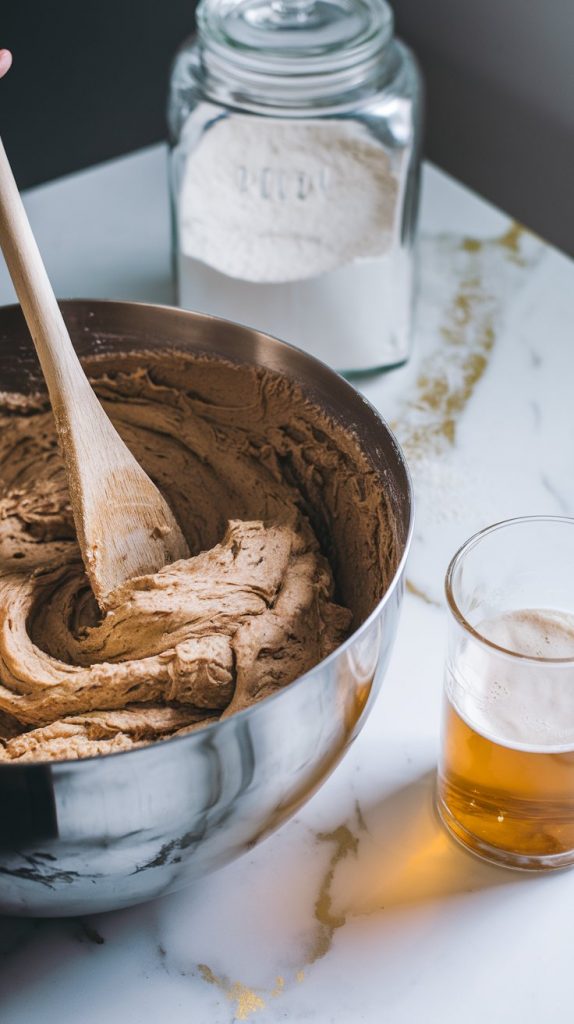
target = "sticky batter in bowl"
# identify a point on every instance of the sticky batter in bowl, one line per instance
(266, 489)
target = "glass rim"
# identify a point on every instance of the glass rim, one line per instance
(456, 560)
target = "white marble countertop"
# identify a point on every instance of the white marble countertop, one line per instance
(360, 908)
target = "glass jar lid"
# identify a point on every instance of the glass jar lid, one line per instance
(283, 47)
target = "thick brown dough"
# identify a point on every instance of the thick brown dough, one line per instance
(248, 465)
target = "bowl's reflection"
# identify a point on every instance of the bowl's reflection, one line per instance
(86, 836)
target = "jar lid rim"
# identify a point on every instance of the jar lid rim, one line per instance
(283, 37)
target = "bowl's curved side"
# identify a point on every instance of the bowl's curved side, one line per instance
(130, 828)
(104, 833)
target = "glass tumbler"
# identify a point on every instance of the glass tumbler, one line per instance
(505, 784)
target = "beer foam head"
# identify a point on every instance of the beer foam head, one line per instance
(511, 701)
(532, 632)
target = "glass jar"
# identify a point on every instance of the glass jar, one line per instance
(295, 129)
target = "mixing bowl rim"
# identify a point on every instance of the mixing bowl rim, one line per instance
(253, 709)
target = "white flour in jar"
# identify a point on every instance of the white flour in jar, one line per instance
(276, 201)
(294, 228)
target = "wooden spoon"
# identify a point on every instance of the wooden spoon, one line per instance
(124, 526)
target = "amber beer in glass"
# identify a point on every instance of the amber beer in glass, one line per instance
(506, 768)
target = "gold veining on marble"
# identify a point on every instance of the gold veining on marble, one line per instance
(436, 394)
(279, 986)
(450, 374)
(345, 843)
(412, 588)
(246, 1000)
(509, 240)
(470, 244)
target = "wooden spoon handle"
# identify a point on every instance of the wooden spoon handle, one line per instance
(125, 527)
(58, 359)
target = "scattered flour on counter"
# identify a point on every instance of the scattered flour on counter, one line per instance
(446, 491)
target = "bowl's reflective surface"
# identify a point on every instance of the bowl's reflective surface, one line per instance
(87, 836)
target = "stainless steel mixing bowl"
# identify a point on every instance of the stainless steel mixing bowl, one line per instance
(103, 833)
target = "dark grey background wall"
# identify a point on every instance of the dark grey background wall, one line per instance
(500, 80)
(88, 80)
(88, 83)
